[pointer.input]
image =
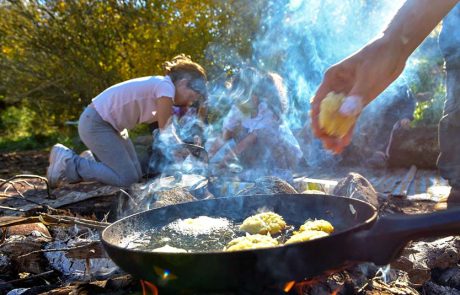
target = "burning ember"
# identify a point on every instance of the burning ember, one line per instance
(148, 288)
(345, 282)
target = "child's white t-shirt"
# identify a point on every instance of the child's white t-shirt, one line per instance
(132, 102)
(233, 119)
(264, 119)
(275, 133)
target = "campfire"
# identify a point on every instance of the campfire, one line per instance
(51, 245)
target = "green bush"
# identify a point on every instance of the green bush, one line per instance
(430, 80)
(21, 129)
(16, 122)
(428, 113)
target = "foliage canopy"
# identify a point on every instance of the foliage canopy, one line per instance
(57, 55)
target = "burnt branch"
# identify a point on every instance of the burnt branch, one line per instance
(28, 278)
(26, 176)
(86, 251)
(55, 219)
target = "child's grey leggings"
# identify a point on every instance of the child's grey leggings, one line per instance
(117, 160)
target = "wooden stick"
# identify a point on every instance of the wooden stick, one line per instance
(95, 245)
(12, 209)
(28, 278)
(9, 180)
(55, 219)
(74, 220)
(19, 220)
(408, 179)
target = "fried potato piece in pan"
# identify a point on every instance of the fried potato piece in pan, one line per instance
(262, 223)
(251, 242)
(304, 236)
(317, 224)
(169, 249)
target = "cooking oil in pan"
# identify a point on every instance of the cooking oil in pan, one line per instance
(200, 234)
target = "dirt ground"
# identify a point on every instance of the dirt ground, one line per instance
(70, 204)
(23, 162)
(35, 162)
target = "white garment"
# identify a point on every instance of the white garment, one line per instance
(271, 132)
(233, 119)
(264, 119)
(132, 102)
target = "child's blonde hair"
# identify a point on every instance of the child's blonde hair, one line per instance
(243, 82)
(182, 67)
(267, 86)
(272, 90)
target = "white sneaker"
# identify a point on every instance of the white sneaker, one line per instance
(88, 155)
(58, 158)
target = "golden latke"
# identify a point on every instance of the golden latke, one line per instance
(318, 224)
(304, 236)
(262, 223)
(251, 242)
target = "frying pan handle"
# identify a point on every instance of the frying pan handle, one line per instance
(385, 240)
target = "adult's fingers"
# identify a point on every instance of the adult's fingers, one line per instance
(315, 125)
(324, 88)
(332, 82)
(357, 96)
(337, 144)
(352, 106)
(344, 141)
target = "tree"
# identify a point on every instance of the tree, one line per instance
(58, 55)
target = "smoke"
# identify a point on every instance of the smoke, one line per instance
(300, 39)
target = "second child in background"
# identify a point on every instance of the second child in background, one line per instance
(254, 131)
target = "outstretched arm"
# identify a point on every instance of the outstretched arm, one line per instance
(366, 73)
(164, 111)
(242, 146)
(220, 141)
(164, 114)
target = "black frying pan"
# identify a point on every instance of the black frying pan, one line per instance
(359, 236)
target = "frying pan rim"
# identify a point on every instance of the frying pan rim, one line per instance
(351, 229)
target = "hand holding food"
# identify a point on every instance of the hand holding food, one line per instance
(361, 77)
